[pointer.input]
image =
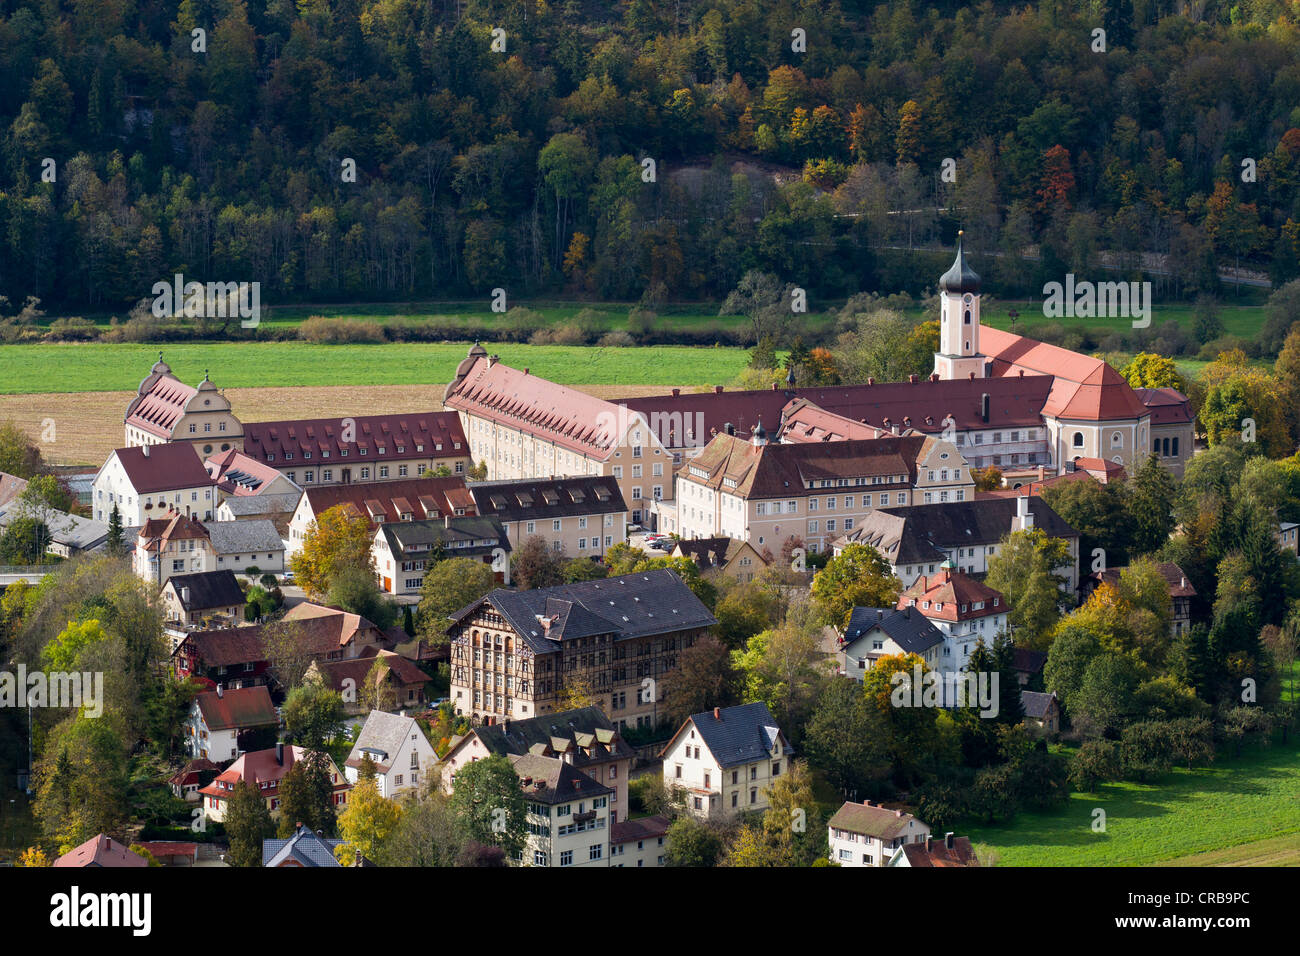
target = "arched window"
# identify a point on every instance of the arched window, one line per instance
(968, 316)
(1175, 453)
(1078, 439)
(1164, 447)
(1116, 440)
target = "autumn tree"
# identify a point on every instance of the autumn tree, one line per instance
(339, 538)
(449, 585)
(859, 576)
(366, 823)
(1025, 570)
(704, 679)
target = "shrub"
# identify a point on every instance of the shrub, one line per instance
(321, 330)
(616, 340)
(72, 329)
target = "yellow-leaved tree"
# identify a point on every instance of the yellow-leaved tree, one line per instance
(339, 538)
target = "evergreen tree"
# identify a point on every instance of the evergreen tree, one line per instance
(248, 822)
(116, 544)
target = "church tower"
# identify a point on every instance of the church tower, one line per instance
(959, 322)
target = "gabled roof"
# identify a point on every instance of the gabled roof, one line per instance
(101, 850)
(573, 420)
(11, 486)
(936, 853)
(1036, 704)
(630, 605)
(875, 821)
(170, 466)
(713, 552)
(951, 596)
(1085, 388)
(159, 402)
(193, 771)
(906, 627)
(238, 709)
(642, 828)
(382, 736)
(384, 438)
(207, 590)
(258, 767)
(538, 499)
(550, 780)
(238, 474)
(244, 537)
(270, 504)
(73, 531)
(305, 847)
(468, 535)
(736, 735)
(378, 501)
(733, 465)
(558, 733)
(316, 636)
(402, 671)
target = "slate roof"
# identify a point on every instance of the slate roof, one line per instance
(238, 709)
(1036, 704)
(550, 780)
(101, 850)
(1028, 662)
(385, 438)
(208, 589)
(385, 733)
(736, 735)
(305, 847)
(925, 533)
(73, 531)
(630, 605)
(245, 506)
(458, 537)
(170, 466)
(1168, 406)
(908, 628)
(879, 822)
(711, 552)
(244, 537)
(568, 731)
(539, 499)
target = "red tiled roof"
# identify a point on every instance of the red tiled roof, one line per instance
(237, 709)
(228, 647)
(190, 772)
(169, 466)
(642, 828)
(443, 495)
(1168, 406)
(384, 438)
(236, 473)
(571, 419)
(157, 531)
(101, 850)
(936, 853)
(160, 402)
(947, 592)
(257, 767)
(1085, 388)
(158, 848)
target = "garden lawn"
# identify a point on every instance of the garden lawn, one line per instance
(1233, 802)
(98, 366)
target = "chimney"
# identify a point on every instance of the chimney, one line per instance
(912, 379)
(934, 376)
(525, 369)
(717, 389)
(866, 803)
(774, 386)
(947, 839)
(729, 428)
(677, 392)
(358, 859)
(1182, 582)
(446, 520)
(871, 380)
(984, 407)
(279, 753)
(220, 692)
(898, 813)
(717, 713)
(144, 450)
(880, 614)
(972, 376)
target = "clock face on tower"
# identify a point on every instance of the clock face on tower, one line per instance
(969, 298)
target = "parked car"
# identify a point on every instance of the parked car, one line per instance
(663, 544)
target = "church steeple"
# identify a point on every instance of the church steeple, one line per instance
(959, 326)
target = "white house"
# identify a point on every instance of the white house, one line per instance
(642, 842)
(964, 610)
(568, 813)
(874, 633)
(861, 834)
(217, 718)
(402, 755)
(725, 759)
(148, 481)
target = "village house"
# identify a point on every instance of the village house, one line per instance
(1181, 592)
(263, 770)
(523, 426)
(276, 508)
(580, 516)
(238, 475)
(514, 653)
(963, 610)
(1042, 712)
(568, 813)
(1288, 536)
(186, 782)
(725, 759)
(863, 834)
(204, 597)
(726, 556)
(177, 544)
(873, 633)
(778, 497)
(151, 480)
(69, 534)
(640, 843)
(398, 681)
(584, 738)
(361, 449)
(165, 409)
(101, 850)
(404, 550)
(219, 719)
(423, 499)
(950, 851)
(917, 540)
(401, 754)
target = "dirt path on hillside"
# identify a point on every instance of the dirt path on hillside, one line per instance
(88, 425)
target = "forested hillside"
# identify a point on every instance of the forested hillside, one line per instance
(525, 168)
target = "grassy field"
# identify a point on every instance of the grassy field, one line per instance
(117, 367)
(1218, 809)
(1277, 851)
